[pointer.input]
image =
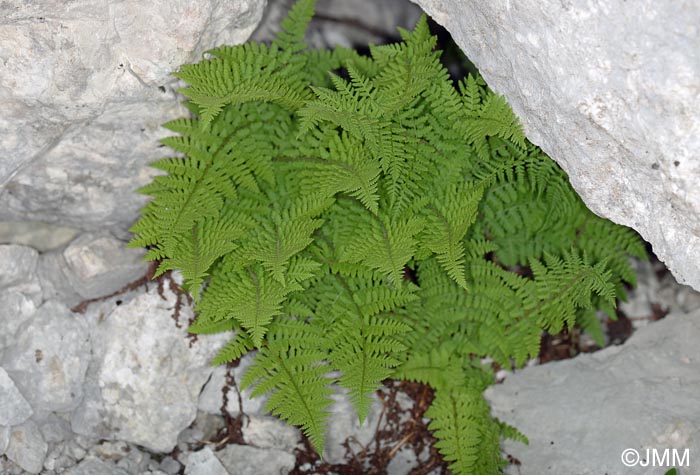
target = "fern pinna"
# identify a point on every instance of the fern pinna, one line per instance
(355, 218)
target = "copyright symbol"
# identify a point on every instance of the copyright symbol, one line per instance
(630, 457)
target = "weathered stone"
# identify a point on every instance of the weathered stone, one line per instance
(84, 90)
(27, 447)
(664, 293)
(212, 398)
(18, 263)
(4, 438)
(344, 23)
(14, 408)
(581, 414)
(94, 466)
(99, 264)
(344, 425)
(246, 460)
(611, 93)
(15, 310)
(49, 358)
(40, 236)
(145, 379)
(204, 462)
(270, 433)
(56, 428)
(402, 462)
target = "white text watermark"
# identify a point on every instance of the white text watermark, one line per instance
(656, 458)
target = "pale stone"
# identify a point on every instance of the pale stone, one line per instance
(610, 91)
(246, 460)
(94, 466)
(14, 408)
(267, 432)
(27, 447)
(204, 462)
(581, 414)
(344, 425)
(145, 379)
(84, 89)
(212, 398)
(49, 358)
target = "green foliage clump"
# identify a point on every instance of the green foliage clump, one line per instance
(356, 218)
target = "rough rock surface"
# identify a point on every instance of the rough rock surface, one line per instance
(247, 460)
(84, 88)
(92, 265)
(641, 395)
(27, 447)
(14, 408)
(610, 92)
(49, 358)
(345, 426)
(144, 379)
(204, 462)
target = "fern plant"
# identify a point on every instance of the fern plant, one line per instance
(356, 218)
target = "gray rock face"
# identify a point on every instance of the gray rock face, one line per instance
(610, 92)
(27, 447)
(49, 358)
(94, 466)
(19, 262)
(212, 399)
(581, 414)
(84, 89)
(93, 265)
(14, 409)
(246, 460)
(344, 425)
(204, 462)
(270, 433)
(4, 438)
(145, 379)
(18, 272)
(15, 309)
(99, 264)
(40, 236)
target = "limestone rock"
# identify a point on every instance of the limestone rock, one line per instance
(40, 236)
(49, 358)
(14, 408)
(343, 424)
(18, 263)
(270, 433)
(4, 438)
(211, 399)
(611, 93)
(27, 447)
(94, 466)
(93, 265)
(145, 379)
(204, 462)
(581, 414)
(84, 89)
(344, 23)
(15, 310)
(246, 460)
(99, 264)
(19, 271)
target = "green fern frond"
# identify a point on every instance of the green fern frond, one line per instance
(365, 351)
(356, 217)
(295, 379)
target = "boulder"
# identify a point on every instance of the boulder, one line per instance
(84, 90)
(610, 91)
(145, 377)
(49, 358)
(581, 414)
